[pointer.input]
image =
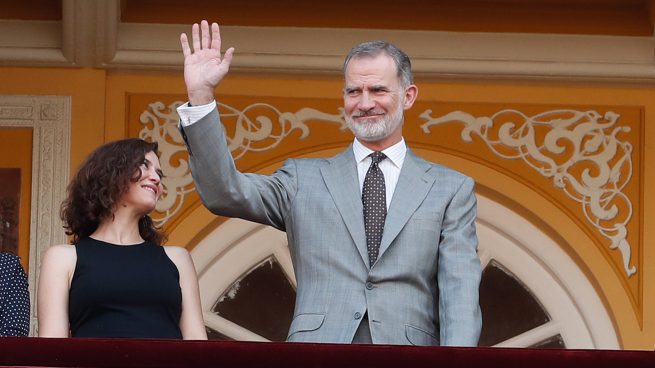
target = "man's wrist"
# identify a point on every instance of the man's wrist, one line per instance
(201, 97)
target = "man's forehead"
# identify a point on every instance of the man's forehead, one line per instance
(362, 70)
(371, 67)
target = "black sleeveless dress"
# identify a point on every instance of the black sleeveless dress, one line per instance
(123, 291)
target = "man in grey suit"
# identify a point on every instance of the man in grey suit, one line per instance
(383, 242)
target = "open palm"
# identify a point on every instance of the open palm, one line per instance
(203, 67)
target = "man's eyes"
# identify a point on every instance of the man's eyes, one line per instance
(380, 90)
(377, 91)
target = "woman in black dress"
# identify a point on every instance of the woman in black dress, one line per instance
(116, 280)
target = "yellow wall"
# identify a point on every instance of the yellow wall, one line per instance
(101, 112)
(85, 86)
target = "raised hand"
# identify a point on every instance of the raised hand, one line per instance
(203, 67)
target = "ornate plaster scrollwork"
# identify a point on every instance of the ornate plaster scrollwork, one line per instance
(256, 130)
(578, 150)
(258, 127)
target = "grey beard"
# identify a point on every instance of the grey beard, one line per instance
(376, 130)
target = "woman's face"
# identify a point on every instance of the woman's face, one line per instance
(144, 193)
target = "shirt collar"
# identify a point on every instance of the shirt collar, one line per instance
(395, 153)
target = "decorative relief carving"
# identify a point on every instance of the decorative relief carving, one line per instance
(15, 112)
(258, 127)
(48, 112)
(46, 176)
(578, 150)
(254, 125)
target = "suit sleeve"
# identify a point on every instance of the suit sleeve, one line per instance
(459, 271)
(227, 192)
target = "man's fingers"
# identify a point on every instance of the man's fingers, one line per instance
(204, 29)
(227, 57)
(185, 45)
(195, 37)
(216, 37)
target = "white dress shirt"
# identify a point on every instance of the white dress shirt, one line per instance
(191, 114)
(390, 166)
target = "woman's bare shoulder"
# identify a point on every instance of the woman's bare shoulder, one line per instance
(60, 252)
(176, 251)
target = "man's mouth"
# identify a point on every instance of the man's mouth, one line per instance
(367, 115)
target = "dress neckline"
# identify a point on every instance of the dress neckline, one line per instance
(118, 245)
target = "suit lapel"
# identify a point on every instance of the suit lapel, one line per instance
(341, 179)
(413, 185)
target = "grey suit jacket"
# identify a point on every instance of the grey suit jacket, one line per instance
(423, 288)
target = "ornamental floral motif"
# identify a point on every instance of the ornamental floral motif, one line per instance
(258, 127)
(578, 150)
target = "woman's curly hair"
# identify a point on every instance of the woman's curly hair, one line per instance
(100, 183)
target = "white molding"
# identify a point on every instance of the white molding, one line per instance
(80, 18)
(107, 31)
(30, 34)
(49, 118)
(70, 42)
(434, 53)
(92, 35)
(36, 43)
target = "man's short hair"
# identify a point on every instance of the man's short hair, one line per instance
(375, 48)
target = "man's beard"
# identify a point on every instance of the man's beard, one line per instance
(378, 129)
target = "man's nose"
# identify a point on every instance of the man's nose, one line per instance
(366, 102)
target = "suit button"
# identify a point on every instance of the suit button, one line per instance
(369, 285)
(357, 315)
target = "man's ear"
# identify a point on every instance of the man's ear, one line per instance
(411, 92)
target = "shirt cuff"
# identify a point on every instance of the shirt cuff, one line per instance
(191, 114)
